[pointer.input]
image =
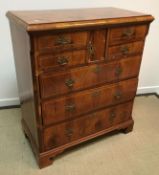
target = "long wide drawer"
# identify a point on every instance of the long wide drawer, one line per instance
(84, 126)
(53, 84)
(60, 109)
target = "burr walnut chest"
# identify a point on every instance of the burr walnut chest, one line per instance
(77, 73)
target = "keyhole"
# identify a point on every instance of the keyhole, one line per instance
(91, 49)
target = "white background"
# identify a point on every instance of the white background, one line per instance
(149, 74)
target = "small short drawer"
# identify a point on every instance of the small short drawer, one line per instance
(53, 84)
(62, 60)
(125, 50)
(84, 126)
(127, 34)
(62, 41)
(64, 108)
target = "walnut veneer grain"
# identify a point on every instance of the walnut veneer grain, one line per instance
(77, 74)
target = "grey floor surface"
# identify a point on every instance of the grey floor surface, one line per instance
(136, 153)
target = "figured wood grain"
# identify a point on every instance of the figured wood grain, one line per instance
(74, 39)
(55, 110)
(75, 18)
(54, 84)
(97, 41)
(70, 59)
(66, 104)
(26, 87)
(125, 50)
(79, 128)
(126, 34)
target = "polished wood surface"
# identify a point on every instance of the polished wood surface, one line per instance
(62, 60)
(125, 50)
(53, 16)
(127, 34)
(56, 19)
(88, 77)
(96, 45)
(73, 130)
(77, 74)
(72, 106)
(26, 89)
(62, 41)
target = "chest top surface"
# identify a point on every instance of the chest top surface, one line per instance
(54, 19)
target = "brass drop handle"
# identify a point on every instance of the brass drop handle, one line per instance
(69, 83)
(62, 40)
(124, 50)
(62, 60)
(118, 70)
(128, 33)
(69, 132)
(70, 107)
(118, 95)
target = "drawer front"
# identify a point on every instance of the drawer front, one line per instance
(127, 34)
(84, 126)
(96, 45)
(53, 84)
(62, 41)
(64, 108)
(62, 60)
(125, 50)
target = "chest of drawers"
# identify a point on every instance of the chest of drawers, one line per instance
(77, 73)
